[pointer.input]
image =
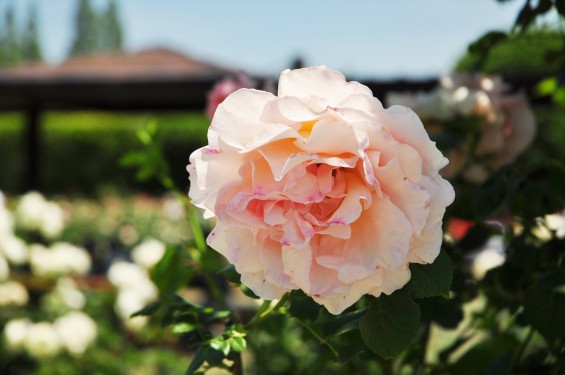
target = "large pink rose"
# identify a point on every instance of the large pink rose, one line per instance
(320, 189)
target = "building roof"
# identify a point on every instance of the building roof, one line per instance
(150, 64)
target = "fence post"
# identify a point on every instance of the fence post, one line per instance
(32, 147)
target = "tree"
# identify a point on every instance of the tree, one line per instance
(86, 30)
(9, 43)
(520, 56)
(31, 48)
(113, 36)
(96, 31)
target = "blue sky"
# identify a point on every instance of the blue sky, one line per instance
(361, 38)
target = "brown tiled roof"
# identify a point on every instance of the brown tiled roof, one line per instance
(156, 63)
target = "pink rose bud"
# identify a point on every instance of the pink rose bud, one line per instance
(223, 89)
(320, 189)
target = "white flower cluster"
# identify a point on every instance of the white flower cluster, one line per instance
(14, 251)
(35, 213)
(72, 332)
(453, 99)
(66, 295)
(550, 226)
(59, 259)
(135, 288)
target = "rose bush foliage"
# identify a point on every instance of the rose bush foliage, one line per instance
(320, 189)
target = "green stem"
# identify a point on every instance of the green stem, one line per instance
(215, 290)
(424, 348)
(196, 229)
(200, 243)
(266, 309)
(522, 348)
(318, 337)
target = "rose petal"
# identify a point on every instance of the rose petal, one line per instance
(320, 82)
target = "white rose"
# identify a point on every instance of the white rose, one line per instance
(127, 303)
(148, 253)
(126, 275)
(490, 256)
(13, 293)
(43, 262)
(4, 268)
(556, 222)
(76, 260)
(6, 221)
(70, 294)
(76, 331)
(60, 259)
(14, 249)
(53, 220)
(34, 212)
(42, 341)
(15, 332)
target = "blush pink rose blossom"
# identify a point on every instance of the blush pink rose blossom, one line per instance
(320, 189)
(223, 89)
(507, 127)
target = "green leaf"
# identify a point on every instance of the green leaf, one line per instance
(181, 328)
(205, 354)
(133, 158)
(170, 274)
(238, 344)
(218, 343)
(344, 323)
(230, 274)
(492, 356)
(248, 292)
(544, 309)
(145, 136)
(547, 86)
(303, 307)
(198, 360)
(445, 312)
(559, 97)
(391, 324)
(432, 280)
(148, 310)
